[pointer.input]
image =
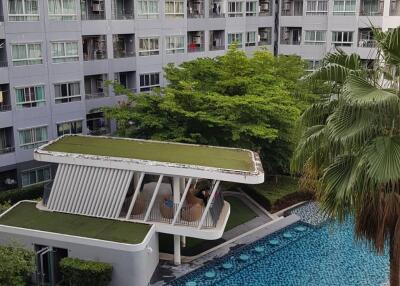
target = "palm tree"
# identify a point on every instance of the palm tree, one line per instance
(352, 137)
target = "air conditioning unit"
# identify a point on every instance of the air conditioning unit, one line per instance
(98, 7)
(264, 7)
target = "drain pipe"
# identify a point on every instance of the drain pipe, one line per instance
(177, 238)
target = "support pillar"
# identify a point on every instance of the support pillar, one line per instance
(183, 240)
(177, 239)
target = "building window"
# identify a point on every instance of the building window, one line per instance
(148, 47)
(36, 176)
(312, 65)
(62, 52)
(149, 81)
(23, 10)
(317, 7)
(28, 97)
(32, 137)
(26, 54)
(70, 127)
(235, 38)
(250, 39)
(175, 44)
(148, 9)
(315, 38)
(344, 7)
(174, 9)
(251, 8)
(235, 9)
(62, 10)
(342, 39)
(67, 92)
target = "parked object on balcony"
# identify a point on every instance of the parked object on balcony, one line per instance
(167, 207)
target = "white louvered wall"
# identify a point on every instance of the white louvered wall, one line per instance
(89, 190)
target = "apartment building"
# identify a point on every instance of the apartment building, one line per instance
(56, 54)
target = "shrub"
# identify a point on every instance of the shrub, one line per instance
(16, 265)
(77, 272)
(259, 198)
(4, 206)
(292, 199)
(15, 195)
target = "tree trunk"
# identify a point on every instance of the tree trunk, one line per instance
(394, 265)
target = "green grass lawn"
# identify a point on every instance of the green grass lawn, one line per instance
(156, 151)
(26, 215)
(240, 213)
(274, 190)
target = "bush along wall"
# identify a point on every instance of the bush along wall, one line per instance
(15, 195)
(77, 272)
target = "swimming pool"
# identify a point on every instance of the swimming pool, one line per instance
(300, 254)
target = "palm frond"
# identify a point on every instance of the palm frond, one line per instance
(389, 44)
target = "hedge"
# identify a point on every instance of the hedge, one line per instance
(260, 199)
(15, 195)
(292, 199)
(16, 265)
(77, 272)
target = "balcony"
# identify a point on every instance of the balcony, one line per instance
(94, 86)
(265, 8)
(93, 10)
(124, 45)
(394, 9)
(264, 36)
(217, 40)
(365, 38)
(371, 8)
(122, 9)
(127, 80)
(290, 35)
(5, 101)
(195, 9)
(8, 180)
(235, 9)
(6, 140)
(94, 47)
(3, 54)
(217, 8)
(97, 125)
(196, 41)
(292, 8)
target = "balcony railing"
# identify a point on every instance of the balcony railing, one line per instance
(95, 95)
(165, 210)
(100, 131)
(193, 49)
(5, 107)
(96, 55)
(367, 44)
(3, 64)
(93, 16)
(217, 48)
(124, 54)
(123, 15)
(7, 150)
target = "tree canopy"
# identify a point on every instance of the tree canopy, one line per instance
(231, 100)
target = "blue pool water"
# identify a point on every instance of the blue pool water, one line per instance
(298, 255)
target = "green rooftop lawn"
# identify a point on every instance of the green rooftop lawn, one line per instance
(26, 215)
(275, 189)
(156, 151)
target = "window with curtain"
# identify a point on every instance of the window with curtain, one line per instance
(235, 38)
(317, 7)
(67, 92)
(148, 46)
(62, 52)
(174, 44)
(148, 9)
(26, 54)
(32, 137)
(344, 7)
(70, 127)
(251, 8)
(235, 9)
(315, 38)
(27, 97)
(62, 10)
(149, 81)
(250, 39)
(342, 39)
(35, 176)
(174, 9)
(23, 10)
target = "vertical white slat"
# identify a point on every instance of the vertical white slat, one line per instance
(85, 190)
(210, 200)
(97, 173)
(64, 187)
(77, 191)
(112, 175)
(135, 195)
(79, 195)
(57, 193)
(153, 198)
(124, 190)
(56, 183)
(73, 185)
(119, 192)
(101, 177)
(118, 177)
(182, 200)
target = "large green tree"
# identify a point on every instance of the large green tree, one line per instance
(232, 100)
(353, 138)
(16, 265)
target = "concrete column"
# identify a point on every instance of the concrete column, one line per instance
(183, 240)
(177, 239)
